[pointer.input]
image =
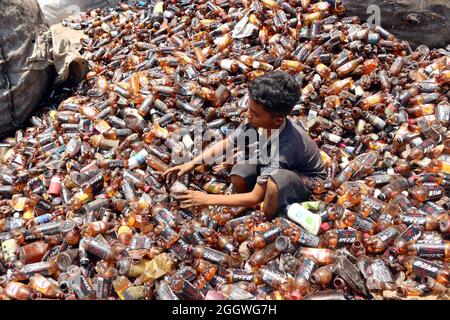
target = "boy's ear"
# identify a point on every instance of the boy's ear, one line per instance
(279, 120)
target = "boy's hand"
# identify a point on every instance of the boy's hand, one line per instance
(191, 198)
(181, 169)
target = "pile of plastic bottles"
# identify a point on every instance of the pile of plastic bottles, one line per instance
(85, 212)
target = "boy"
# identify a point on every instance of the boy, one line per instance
(284, 164)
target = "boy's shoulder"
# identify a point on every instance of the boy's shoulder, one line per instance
(295, 130)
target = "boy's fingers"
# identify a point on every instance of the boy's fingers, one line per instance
(183, 197)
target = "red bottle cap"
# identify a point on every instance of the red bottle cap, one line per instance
(325, 226)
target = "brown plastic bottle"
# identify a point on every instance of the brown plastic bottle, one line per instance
(303, 275)
(208, 254)
(422, 149)
(33, 252)
(207, 269)
(275, 279)
(45, 287)
(340, 237)
(349, 67)
(430, 251)
(72, 238)
(20, 291)
(322, 277)
(429, 223)
(95, 228)
(412, 233)
(425, 268)
(427, 193)
(260, 240)
(398, 185)
(434, 286)
(356, 221)
(262, 256)
(380, 241)
(321, 256)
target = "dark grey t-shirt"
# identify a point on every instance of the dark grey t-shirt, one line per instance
(290, 148)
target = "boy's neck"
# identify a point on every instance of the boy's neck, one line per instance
(279, 127)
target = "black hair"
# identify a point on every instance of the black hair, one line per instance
(277, 92)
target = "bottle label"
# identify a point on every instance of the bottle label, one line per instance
(180, 249)
(270, 235)
(272, 277)
(45, 218)
(13, 224)
(39, 267)
(98, 248)
(435, 193)
(169, 234)
(430, 251)
(96, 182)
(12, 290)
(386, 217)
(140, 156)
(9, 248)
(387, 235)
(36, 186)
(164, 292)
(404, 203)
(424, 268)
(431, 208)
(412, 233)
(374, 215)
(139, 242)
(81, 286)
(213, 256)
(187, 273)
(28, 236)
(112, 164)
(197, 238)
(103, 287)
(52, 253)
(346, 236)
(41, 283)
(102, 126)
(99, 226)
(229, 248)
(188, 291)
(414, 220)
(306, 268)
(165, 217)
(308, 239)
(226, 64)
(363, 224)
(2, 267)
(241, 275)
(185, 215)
(382, 179)
(134, 293)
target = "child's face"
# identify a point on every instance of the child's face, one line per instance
(260, 118)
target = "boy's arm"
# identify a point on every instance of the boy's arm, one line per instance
(248, 199)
